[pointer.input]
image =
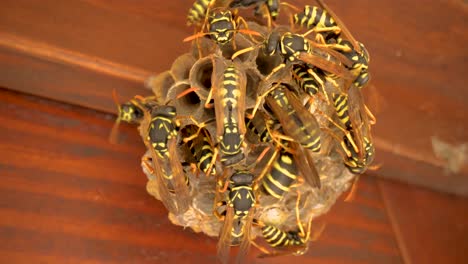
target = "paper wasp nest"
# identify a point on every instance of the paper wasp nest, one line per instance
(191, 71)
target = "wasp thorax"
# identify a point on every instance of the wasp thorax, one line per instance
(242, 178)
(292, 45)
(165, 111)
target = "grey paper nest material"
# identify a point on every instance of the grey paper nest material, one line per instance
(189, 71)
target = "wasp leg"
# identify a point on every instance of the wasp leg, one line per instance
(146, 161)
(213, 161)
(265, 169)
(372, 120)
(322, 84)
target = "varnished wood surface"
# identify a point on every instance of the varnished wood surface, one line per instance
(78, 51)
(430, 227)
(68, 196)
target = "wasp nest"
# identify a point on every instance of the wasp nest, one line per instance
(203, 110)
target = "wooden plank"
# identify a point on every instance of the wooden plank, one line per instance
(78, 51)
(67, 195)
(431, 226)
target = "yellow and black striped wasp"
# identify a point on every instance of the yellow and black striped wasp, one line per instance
(201, 148)
(220, 24)
(228, 91)
(229, 94)
(239, 206)
(297, 123)
(131, 112)
(287, 242)
(258, 127)
(296, 49)
(159, 132)
(197, 14)
(301, 135)
(357, 143)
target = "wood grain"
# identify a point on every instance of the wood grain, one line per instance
(78, 51)
(68, 196)
(432, 227)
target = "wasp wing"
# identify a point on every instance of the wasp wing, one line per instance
(180, 180)
(245, 243)
(306, 165)
(327, 65)
(340, 24)
(224, 241)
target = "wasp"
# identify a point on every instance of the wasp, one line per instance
(287, 242)
(319, 20)
(259, 126)
(201, 8)
(310, 80)
(302, 134)
(201, 148)
(357, 163)
(229, 106)
(354, 115)
(159, 131)
(297, 49)
(238, 214)
(131, 112)
(297, 123)
(282, 175)
(222, 25)
(360, 66)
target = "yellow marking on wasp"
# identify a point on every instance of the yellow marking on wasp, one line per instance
(283, 236)
(230, 74)
(270, 191)
(277, 183)
(230, 82)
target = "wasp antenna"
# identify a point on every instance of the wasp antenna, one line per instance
(113, 136)
(242, 51)
(195, 36)
(115, 97)
(184, 93)
(293, 7)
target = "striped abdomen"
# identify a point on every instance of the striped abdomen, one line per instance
(202, 150)
(360, 64)
(296, 121)
(282, 175)
(162, 128)
(257, 129)
(340, 101)
(305, 80)
(313, 16)
(197, 12)
(276, 237)
(354, 163)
